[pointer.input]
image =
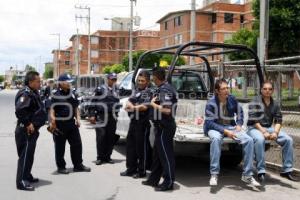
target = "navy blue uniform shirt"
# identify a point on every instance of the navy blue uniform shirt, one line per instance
(167, 97)
(65, 104)
(108, 97)
(140, 97)
(29, 108)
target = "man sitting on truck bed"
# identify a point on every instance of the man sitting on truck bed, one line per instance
(220, 122)
(263, 112)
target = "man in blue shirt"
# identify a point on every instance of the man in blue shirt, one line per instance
(224, 118)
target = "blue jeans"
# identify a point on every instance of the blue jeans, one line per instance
(285, 141)
(216, 139)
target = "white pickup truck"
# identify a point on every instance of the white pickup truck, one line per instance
(194, 91)
(189, 138)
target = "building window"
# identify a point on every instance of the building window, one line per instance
(214, 37)
(67, 53)
(177, 21)
(214, 18)
(94, 40)
(166, 42)
(227, 36)
(166, 25)
(228, 17)
(178, 39)
(103, 44)
(242, 19)
(122, 43)
(67, 62)
(112, 42)
(94, 54)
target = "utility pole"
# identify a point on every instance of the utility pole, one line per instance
(193, 27)
(263, 31)
(130, 35)
(58, 54)
(88, 18)
(76, 53)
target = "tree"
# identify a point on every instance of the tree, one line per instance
(148, 62)
(244, 37)
(168, 58)
(284, 29)
(107, 69)
(1, 78)
(29, 68)
(117, 68)
(48, 71)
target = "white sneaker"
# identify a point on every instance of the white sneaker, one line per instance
(249, 180)
(213, 180)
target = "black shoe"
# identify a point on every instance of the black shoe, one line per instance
(289, 176)
(99, 162)
(139, 175)
(25, 185)
(149, 183)
(110, 161)
(164, 187)
(261, 177)
(62, 171)
(31, 179)
(81, 168)
(127, 173)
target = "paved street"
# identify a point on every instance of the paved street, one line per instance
(104, 182)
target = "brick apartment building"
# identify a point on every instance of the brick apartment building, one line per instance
(62, 61)
(107, 48)
(215, 22)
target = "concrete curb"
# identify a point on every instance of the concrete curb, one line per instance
(277, 168)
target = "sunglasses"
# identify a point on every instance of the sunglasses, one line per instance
(270, 89)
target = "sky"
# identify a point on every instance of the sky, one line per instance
(27, 26)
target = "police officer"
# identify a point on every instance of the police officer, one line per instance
(164, 107)
(65, 118)
(137, 142)
(31, 116)
(104, 110)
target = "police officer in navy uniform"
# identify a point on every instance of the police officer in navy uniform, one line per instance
(31, 116)
(65, 117)
(103, 113)
(164, 106)
(137, 142)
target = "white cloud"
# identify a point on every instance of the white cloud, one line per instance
(26, 25)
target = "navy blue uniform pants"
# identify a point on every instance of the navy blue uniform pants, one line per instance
(138, 149)
(163, 154)
(71, 134)
(106, 138)
(25, 147)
